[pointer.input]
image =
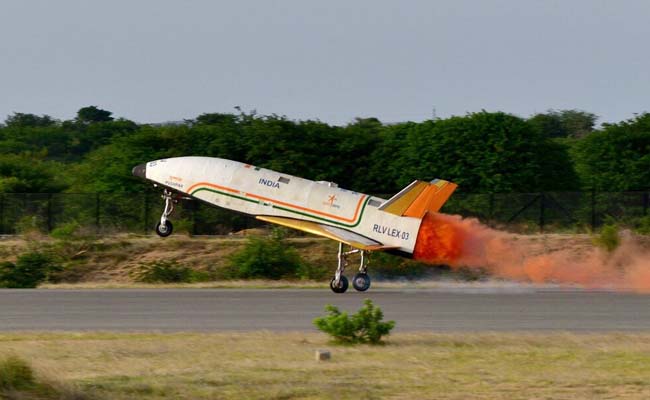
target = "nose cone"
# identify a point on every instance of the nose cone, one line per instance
(140, 171)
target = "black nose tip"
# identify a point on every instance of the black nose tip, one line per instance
(140, 171)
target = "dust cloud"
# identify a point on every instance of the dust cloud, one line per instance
(458, 242)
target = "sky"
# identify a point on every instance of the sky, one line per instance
(334, 60)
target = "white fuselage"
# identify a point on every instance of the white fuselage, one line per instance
(263, 192)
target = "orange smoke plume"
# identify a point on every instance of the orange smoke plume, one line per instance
(458, 242)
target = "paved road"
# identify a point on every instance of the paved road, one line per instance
(229, 309)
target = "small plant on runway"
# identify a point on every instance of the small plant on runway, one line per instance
(365, 326)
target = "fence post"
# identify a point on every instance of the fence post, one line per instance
(491, 210)
(593, 209)
(195, 206)
(146, 213)
(2, 213)
(542, 209)
(49, 212)
(646, 200)
(97, 211)
(24, 208)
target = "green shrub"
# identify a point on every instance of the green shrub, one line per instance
(15, 374)
(388, 266)
(168, 271)
(309, 271)
(73, 242)
(184, 225)
(68, 231)
(29, 225)
(363, 327)
(29, 270)
(608, 237)
(269, 258)
(643, 225)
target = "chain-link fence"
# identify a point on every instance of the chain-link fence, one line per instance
(138, 213)
(552, 211)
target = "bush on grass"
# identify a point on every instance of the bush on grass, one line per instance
(265, 258)
(643, 225)
(365, 326)
(608, 237)
(30, 269)
(15, 374)
(168, 271)
(18, 381)
(29, 226)
(67, 231)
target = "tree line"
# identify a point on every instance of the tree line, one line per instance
(484, 152)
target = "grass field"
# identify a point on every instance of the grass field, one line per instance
(265, 365)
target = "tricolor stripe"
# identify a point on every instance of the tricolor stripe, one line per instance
(281, 205)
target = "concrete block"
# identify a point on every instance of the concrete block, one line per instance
(323, 355)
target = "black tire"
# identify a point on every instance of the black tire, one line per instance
(361, 282)
(166, 230)
(342, 287)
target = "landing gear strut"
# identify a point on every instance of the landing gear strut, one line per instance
(164, 227)
(361, 280)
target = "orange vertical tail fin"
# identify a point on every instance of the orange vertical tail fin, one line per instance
(419, 198)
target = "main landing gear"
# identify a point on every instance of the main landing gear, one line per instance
(164, 227)
(360, 281)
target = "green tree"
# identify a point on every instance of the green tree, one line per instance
(52, 141)
(577, 123)
(92, 114)
(108, 168)
(358, 141)
(307, 148)
(548, 124)
(23, 120)
(88, 137)
(557, 168)
(617, 158)
(388, 160)
(28, 173)
(215, 119)
(482, 152)
(564, 123)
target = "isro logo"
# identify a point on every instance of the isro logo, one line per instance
(269, 183)
(331, 201)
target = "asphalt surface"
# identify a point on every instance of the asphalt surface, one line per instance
(437, 310)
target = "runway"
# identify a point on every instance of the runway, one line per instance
(436, 310)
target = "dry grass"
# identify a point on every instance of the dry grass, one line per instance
(112, 260)
(225, 284)
(302, 284)
(265, 365)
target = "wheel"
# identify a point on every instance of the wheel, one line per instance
(361, 282)
(164, 230)
(342, 287)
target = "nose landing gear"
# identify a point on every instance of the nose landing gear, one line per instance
(164, 227)
(361, 280)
